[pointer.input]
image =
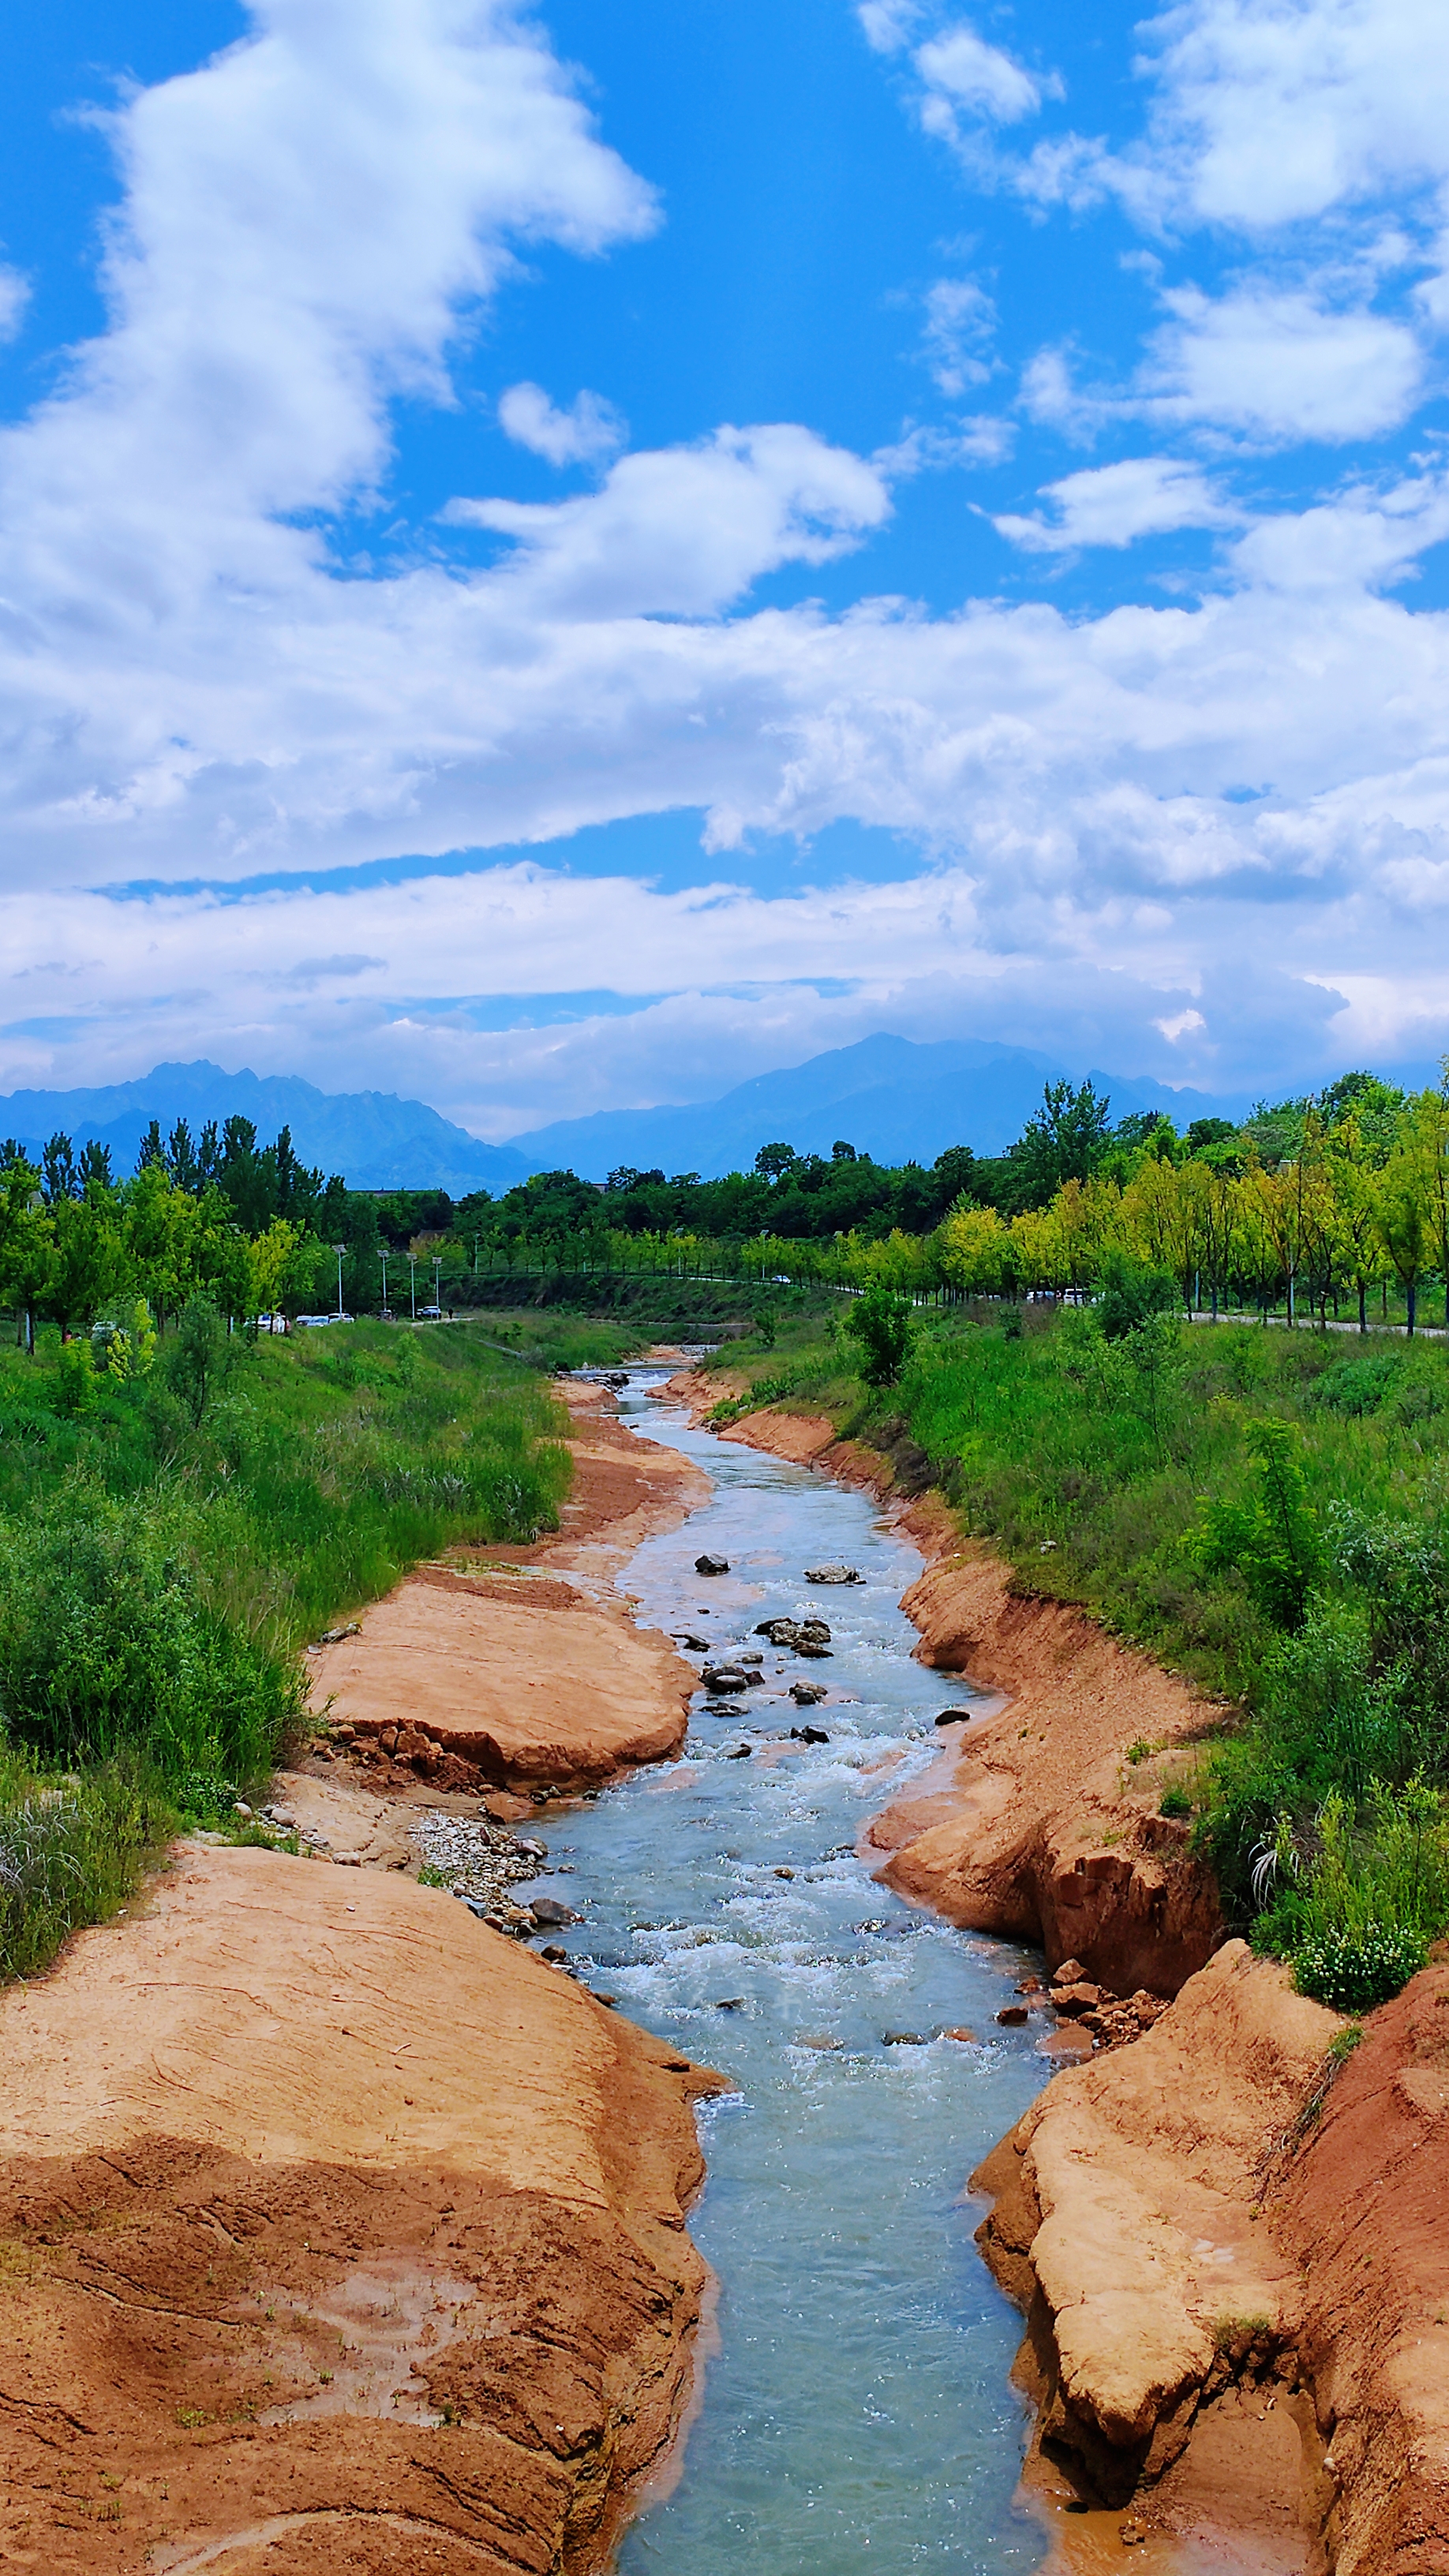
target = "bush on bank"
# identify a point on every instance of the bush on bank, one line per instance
(1268, 1512)
(170, 1537)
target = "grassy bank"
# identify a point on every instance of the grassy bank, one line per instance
(171, 1537)
(1268, 1512)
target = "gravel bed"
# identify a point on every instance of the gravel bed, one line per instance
(481, 1861)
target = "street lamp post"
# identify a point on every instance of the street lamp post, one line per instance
(413, 1282)
(339, 1249)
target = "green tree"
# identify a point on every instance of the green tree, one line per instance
(881, 1321)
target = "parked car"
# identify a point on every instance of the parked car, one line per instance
(314, 1323)
(430, 1314)
(266, 1324)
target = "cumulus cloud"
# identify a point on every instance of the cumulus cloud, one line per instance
(195, 684)
(1109, 505)
(1266, 117)
(687, 529)
(588, 430)
(1269, 366)
(1281, 366)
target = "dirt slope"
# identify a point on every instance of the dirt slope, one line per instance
(1363, 2207)
(1126, 2219)
(1036, 1824)
(338, 2234)
(515, 1667)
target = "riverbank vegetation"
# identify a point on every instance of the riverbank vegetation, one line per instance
(173, 1532)
(1267, 1511)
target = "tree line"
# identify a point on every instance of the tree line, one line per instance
(1312, 1202)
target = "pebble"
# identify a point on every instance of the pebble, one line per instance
(481, 1861)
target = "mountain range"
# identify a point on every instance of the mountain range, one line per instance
(889, 1097)
(375, 1140)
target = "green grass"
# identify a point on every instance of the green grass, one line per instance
(159, 1573)
(1268, 1513)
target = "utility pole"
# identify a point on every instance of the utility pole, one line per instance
(339, 1249)
(382, 1256)
(438, 1282)
(413, 1282)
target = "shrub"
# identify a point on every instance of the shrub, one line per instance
(106, 1644)
(1352, 1970)
(70, 1853)
(1270, 1539)
(881, 1322)
(1129, 1291)
(1360, 1919)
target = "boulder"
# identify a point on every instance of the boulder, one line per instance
(808, 1694)
(832, 1574)
(725, 1677)
(711, 1564)
(551, 1910)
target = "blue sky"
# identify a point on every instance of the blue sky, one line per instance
(560, 560)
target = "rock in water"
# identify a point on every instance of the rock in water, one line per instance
(813, 1735)
(833, 1574)
(726, 1677)
(808, 1694)
(711, 1565)
(1011, 2016)
(548, 1909)
(952, 1716)
(904, 2039)
(741, 1753)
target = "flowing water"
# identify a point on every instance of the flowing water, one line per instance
(857, 2415)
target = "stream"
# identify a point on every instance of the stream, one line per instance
(857, 2414)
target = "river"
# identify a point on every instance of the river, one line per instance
(858, 2413)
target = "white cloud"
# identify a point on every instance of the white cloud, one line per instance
(685, 530)
(959, 70)
(588, 430)
(1362, 539)
(307, 219)
(1263, 117)
(1273, 115)
(14, 296)
(960, 324)
(190, 689)
(1281, 366)
(1273, 367)
(1109, 505)
(979, 438)
(888, 23)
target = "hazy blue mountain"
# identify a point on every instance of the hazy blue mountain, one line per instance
(887, 1096)
(375, 1140)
